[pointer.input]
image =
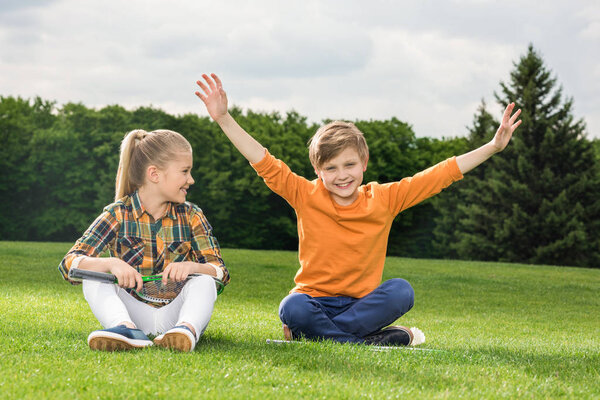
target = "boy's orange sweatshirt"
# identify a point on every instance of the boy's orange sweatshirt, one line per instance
(342, 249)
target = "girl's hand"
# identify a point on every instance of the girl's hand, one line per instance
(213, 96)
(178, 271)
(506, 129)
(127, 276)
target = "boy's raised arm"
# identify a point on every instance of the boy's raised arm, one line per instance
(468, 161)
(215, 99)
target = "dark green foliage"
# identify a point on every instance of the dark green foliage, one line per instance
(537, 201)
(596, 144)
(20, 121)
(61, 165)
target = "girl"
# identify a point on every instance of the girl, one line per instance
(150, 229)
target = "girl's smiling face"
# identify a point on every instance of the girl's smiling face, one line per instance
(176, 179)
(342, 175)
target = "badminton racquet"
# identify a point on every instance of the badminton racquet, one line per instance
(153, 289)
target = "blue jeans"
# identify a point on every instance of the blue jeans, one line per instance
(346, 319)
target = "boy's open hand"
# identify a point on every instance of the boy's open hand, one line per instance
(213, 96)
(466, 162)
(507, 127)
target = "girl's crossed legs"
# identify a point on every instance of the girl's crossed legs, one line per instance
(112, 306)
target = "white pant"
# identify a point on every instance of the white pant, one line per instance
(112, 305)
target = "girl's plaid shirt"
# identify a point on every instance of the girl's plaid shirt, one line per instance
(132, 235)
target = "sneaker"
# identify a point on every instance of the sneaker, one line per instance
(288, 334)
(118, 338)
(391, 336)
(179, 338)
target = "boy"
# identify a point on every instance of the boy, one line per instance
(343, 227)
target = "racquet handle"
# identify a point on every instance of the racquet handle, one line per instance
(77, 274)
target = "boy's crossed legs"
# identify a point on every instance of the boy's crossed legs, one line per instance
(347, 319)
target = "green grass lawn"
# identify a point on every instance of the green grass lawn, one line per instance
(500, 330)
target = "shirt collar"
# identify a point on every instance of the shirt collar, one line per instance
(170, 211)
(139, 210)
(136, 205)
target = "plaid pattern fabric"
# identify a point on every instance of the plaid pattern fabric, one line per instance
(131, 234)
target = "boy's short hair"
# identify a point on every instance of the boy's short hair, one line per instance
(332, 139)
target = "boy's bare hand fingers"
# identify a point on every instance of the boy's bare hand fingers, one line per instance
(219, 83)
(201, 96)
(507, 111)
(515, 116)
(223, 94)
(210, 82)
(204, 87)
(515, 126)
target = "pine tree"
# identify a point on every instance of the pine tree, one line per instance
(538, 200)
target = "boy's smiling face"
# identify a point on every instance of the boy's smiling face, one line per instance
(342, 175)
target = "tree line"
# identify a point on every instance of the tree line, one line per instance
(536, 202)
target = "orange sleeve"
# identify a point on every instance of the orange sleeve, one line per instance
(425, 184)
(281, 180)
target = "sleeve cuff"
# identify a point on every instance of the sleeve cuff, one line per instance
(258, 166)
(218, 271)
(454, 171)
(76, 261)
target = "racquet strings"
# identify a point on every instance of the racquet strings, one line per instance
(156, 292)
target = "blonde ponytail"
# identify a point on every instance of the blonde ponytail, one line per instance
(139, 149)
(123, 184)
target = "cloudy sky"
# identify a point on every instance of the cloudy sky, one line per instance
(428, 63)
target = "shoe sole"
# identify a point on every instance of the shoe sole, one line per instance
(175, 340)
(108, 341)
